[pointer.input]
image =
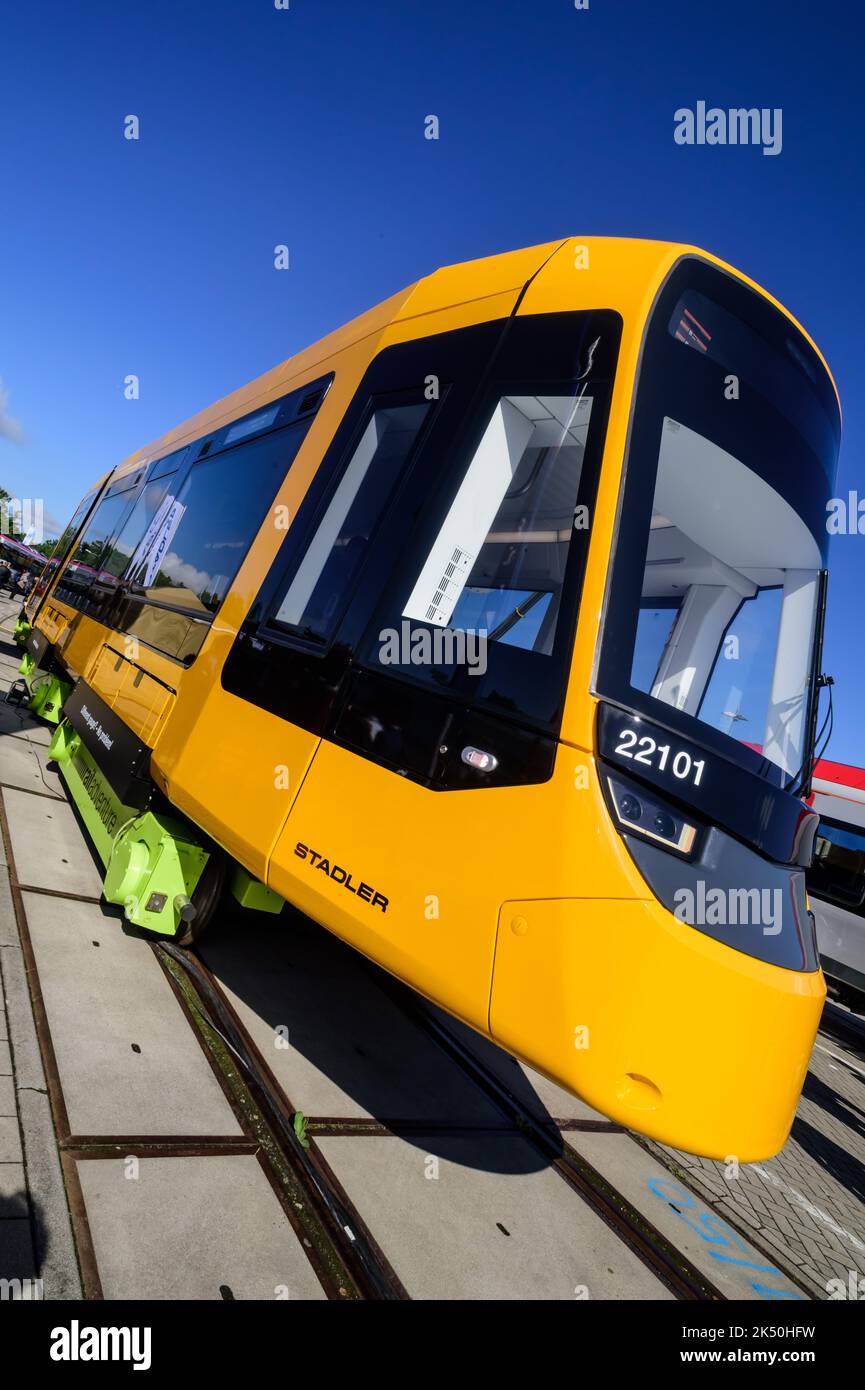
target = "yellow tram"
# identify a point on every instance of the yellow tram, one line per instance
(486, 631)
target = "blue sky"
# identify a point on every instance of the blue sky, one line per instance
(261, 126)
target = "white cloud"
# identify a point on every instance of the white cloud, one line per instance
(187, 575)
(9, 427)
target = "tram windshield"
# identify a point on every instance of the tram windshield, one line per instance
(737, 444)
(728, 600)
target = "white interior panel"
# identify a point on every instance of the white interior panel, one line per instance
(723, 506)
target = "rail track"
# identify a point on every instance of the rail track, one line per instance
(669, 1265)
(345, 1255)
(340, 1222)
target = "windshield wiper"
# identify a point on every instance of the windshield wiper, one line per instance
(800, 783)
(516, 614)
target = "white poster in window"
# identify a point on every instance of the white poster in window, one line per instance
(154, 545)
(449, 563)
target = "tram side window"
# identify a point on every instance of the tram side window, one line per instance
(86, 561)
(120, 554)
(120, 549)
(195, 539)
(63, 544)
(837, 870)
(317, 593)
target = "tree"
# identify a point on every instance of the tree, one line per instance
(45, 547)
(9, 525)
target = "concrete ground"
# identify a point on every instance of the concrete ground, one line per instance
(120, 1117)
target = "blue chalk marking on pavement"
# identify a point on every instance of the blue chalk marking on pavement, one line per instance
(709, 1232)
(766, 1292)
(763, 1269)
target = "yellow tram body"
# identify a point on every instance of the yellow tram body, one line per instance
(520, 908)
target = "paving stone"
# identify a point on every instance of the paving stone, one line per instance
(10, 1140)
(8, 925)
(55, 1248)
(128, 1060)
(47, 846)
(13, 1191)
(16, 1252)
(7, 1096)
(155, 1236)
(24, 765)
(487, 1227)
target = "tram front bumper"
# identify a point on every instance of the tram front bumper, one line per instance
(654, 1023)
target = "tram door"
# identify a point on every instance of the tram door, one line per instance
(440, 580)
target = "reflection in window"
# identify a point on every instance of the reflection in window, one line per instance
(187, 544)
(739, 567)
(88, 557)
(498, 562)
(193, 544)
(140, 524)
(740, 689)
(321, 583)
(838, 867)
(655, 624)
(513, 616)
(63, 544)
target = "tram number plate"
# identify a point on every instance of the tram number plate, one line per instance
(663, 756)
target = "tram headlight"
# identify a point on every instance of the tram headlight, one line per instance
(664, 825)
(645, 814)
(630, 807)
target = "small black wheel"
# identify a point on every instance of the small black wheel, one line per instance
(206, 897)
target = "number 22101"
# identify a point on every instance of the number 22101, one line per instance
(682, 764)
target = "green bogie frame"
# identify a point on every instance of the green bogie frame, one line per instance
(156, 867)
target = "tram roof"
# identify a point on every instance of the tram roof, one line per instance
(451, 285)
